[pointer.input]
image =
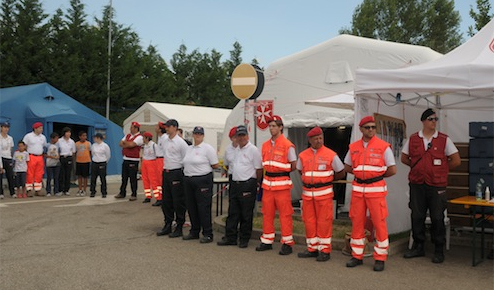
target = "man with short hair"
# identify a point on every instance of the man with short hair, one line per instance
(430, 155)
(36, 143)
(131, 148)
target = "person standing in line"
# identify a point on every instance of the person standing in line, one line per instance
(1, 172)
(370, 159)
(7, 149)
(430, 155)
(199, 162)
(67, 151)
(100, 154)
(131, 148)
(21, 159)
(246, 173)
(230, 153)
(83, 162)
(173, 205)
(53, 165)
(278, 160)
(319, 167)
(35, 142)
(160, 130)
(148, 167)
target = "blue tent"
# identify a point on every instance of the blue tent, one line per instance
(22, 106)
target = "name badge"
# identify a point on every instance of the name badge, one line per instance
(437, 161)
(321, 167)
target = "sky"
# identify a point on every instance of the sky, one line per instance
(266, 29)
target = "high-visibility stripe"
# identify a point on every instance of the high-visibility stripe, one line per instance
(277, 183)
(315, 247)
(380, 251)
(319, 173)
(287, 238)
(268, 236)
(383, 244)
(318, 193)
(358, 251)
(359, 242)
(370, 168)
(277, 164)
(147, 190)
(248, 81)
(312, 241)
(370, 189)
(325, 241)
(266, 241)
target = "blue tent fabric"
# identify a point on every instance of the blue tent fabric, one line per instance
(22, 106)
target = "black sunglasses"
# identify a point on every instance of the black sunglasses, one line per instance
(433, 119)
(369, 127)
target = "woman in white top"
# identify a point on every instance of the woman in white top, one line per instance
(199, 162)
(100, 154)
(7, 149)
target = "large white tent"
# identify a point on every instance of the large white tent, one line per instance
(212, 119)
(460, 85)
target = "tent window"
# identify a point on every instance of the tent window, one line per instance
(147, 116)
(338, 72)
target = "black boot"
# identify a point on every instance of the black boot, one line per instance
(177, 232)
(416, 251)
(167, 229)
(438, 254)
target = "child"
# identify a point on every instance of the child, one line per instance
(148, 168)
(83, 159)
(53, 165)
(100, 152)
(21, 157)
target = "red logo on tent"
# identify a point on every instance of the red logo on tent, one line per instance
(491, 46)
(264, 112)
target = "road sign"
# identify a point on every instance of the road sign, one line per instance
(247, 81)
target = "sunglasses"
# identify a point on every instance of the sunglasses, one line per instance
(433, 119)
(369, 127)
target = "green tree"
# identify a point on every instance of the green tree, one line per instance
(8, 65)
(482, 17)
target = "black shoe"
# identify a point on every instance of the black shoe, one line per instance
(206, 240)
(92, 195)
(243, 245)
(225, 242)
(354, 262)
(167, 229)
(190, 237)
(176, 233)
(378, 266)
(264, 247)
(285, 250)
(323, 257)
(119, 196)
(157, 203)
(438, 258)
(146, 200)
(104, 196)
(416, 251)
(308, 254)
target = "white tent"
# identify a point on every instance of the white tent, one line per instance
(212, 119)
(341, 101)
(460, 85)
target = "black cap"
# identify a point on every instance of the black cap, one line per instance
(5, 124)
(98, 135)
(241, 130)
(198, 130)
(427, 113)
(171, 122)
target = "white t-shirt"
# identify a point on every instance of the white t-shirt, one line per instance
(52, 150)
(174, 152)
(247, 160)
(229, 157)
(100, 152)
(35, 143)
(336, 163)
(20, 161)
(389, 158)
(67, 147)
(6, 145)
(149, 151)
(449, 149)
(198, 160)
(159, 150)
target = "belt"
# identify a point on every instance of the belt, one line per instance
(172, 170)
(370, 180)
(244, 181)
(277, 174)
(35, 154)
(65, 156)
(317, 185)
(158, 157)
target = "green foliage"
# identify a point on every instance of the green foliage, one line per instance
(482, 17)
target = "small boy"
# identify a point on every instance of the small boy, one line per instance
(53, 165)
(100, 153)
(21, 157)
(83, 160)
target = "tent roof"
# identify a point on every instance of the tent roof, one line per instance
(461, 79)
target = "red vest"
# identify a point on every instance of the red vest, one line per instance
(369, 163)
(275, 160)
(317, 170)
(432, 168)
(131, 152)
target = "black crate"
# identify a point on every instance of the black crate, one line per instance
(481, 129)
(480, 165)
(474, 178)
(481, 148)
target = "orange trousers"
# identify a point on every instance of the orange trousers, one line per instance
(378, 210)
(159, 172)
(318, 220)
(280, 200)
(149, 178)
(35, 171)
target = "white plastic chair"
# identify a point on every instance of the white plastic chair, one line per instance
(428, 222)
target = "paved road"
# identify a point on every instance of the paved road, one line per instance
(83, 243)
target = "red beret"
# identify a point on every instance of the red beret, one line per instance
(37, 125)
(366, 120)
(274, 118)
(162, 125)
(135, 124)
(232, 132)
(314, 132)
(148, 134)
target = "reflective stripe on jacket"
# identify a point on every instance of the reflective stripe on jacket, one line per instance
(275, 160)
(317, 169)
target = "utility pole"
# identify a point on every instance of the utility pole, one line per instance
(109, 62)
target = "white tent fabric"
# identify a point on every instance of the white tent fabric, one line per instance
(341, 101)
(460, 85)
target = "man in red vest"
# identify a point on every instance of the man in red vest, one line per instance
(430, 154)
(131, 149)
(278, 160)
(319, 166)
(370, 159)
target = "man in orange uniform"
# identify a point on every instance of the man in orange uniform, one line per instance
(370, 160)
(319, 166)
(35, 142)
(278, 160)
